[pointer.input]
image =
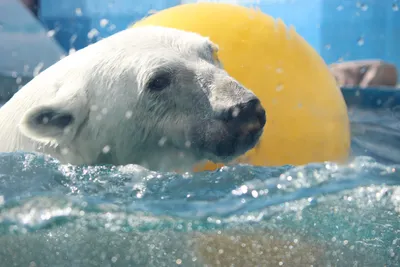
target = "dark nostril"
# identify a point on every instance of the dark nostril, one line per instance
(245, 112)
(248, 111)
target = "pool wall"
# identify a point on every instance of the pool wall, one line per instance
(337, 29)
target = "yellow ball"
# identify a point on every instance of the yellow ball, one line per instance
(307, 118)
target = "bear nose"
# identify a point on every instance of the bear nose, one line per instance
(246, 113)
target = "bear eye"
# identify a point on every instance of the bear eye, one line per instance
(159, 82)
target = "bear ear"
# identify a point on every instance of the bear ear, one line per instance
(57, 121)
(214, 52)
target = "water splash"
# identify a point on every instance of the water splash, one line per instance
(53, 214)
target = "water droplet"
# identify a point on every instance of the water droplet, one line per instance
(78, 12)
(103, 22)
(152, 11)
(243, 188)
(64, 151)
(327, 46)
(360, 41)
(128, 114)
(51, 33)
(235, 112)
(162, 141)
(38, 69)
(339, 8)
(279, 70)
(92, 33)
(178, 261)
(279, 87)
(106, 149)
(395, 7)
(364, 7)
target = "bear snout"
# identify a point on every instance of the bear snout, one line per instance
(249, 116)
(244, 125)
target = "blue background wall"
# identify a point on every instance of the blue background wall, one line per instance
(78, 23)
(337, 29)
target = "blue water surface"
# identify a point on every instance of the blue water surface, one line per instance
(320, 214)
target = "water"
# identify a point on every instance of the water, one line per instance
(315, 215)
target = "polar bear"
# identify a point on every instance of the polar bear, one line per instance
(152, 96)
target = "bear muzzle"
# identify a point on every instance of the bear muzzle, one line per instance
(245, 123)
(232, 132)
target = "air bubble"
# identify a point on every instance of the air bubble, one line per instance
(395, 7)
(360, 41)
(339, 8)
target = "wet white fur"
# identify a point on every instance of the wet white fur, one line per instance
(116, 121)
